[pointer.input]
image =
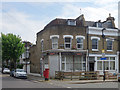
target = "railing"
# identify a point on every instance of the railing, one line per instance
(79, 75)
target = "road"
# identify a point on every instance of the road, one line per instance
(10, 82)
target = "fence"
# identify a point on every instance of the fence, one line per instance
(77, 75)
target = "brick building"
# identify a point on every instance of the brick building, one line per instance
(75, 45)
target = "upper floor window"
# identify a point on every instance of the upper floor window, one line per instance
(42, 44)
(109, 44)
(54, 41)
(95, 43)
(68, 41)
(72, 22)
(80, 42)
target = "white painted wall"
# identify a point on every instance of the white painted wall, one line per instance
(53, 65)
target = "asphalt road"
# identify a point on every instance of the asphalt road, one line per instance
(10, 82)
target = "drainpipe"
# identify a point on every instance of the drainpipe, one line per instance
(87, 60)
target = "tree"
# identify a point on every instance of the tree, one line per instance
(12, 48)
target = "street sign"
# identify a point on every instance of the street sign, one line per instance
(103, 59)
(103, 51)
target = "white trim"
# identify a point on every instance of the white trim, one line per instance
(109, 50)
(80, 36)
(107, 32)
(41, 40)
(94, 37)
(68, 36)
(107, 55)
(112, 39)
(51, 36)
(95, 50)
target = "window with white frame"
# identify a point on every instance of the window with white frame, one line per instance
(95, 44)
(79, 43)
(42, 48)
(54, 42)
(109, 44)
(68, 41)
(109, 63)
(71, 22)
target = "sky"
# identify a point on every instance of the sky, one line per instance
(26, 18)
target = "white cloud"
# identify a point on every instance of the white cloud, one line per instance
(20, 24)
(91, 13)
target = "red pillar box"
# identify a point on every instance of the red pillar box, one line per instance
(46, 74)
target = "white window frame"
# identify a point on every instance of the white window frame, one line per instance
(108, 62)
(68, 36)
(71, 22)
(93, 37)
(81, 37)
(54, 36)
(111, 39)
(42, 44)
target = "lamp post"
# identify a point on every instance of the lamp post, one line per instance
(26, 55)
(103, 53)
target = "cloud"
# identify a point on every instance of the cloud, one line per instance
(19, 23)
(90, 13)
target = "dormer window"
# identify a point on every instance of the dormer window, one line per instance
(98, 24)
(72, 22)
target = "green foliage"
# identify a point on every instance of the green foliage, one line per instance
(20, 66)
(12, 47)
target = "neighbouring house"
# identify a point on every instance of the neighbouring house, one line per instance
(119, 29)
(24, 58)
(75, 45)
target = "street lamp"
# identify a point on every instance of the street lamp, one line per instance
(103, 53)
(26, 55)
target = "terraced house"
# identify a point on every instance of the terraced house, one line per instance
(76, 45)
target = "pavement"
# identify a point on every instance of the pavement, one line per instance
(38, 78)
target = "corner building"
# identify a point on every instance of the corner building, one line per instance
(75, 45)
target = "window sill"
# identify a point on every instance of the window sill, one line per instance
(109, 50)
(95, 50)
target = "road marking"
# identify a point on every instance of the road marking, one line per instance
(68, 87)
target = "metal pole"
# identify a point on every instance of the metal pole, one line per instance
(103, 54)
(87, 60)
(26, 57)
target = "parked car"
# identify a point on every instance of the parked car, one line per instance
(6, 70)
(118, 77)
(12, 73)
(0, 69)
(20, 73)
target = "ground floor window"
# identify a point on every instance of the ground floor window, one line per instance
(109, 63)
(76, 63)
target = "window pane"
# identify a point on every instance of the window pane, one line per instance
(79, 45)
(106, 65)
(54, 40)
(112, 58)
(79, 40)
(55, 46)
(67, 40)
(67, 45)
(99, 58)
(94, 43)
(63, 66)
(109, 45)
(112, 65)
(99, 65)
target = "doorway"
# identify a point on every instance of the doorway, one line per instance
(91, 66)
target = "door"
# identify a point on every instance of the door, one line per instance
(91, 66)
